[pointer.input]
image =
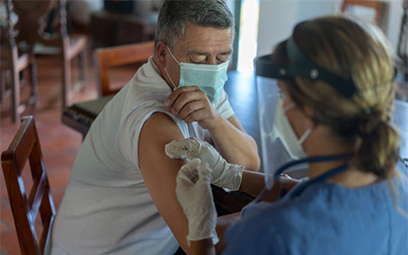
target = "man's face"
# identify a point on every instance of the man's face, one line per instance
(200, 45)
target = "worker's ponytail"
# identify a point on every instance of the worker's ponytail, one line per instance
(378, 151)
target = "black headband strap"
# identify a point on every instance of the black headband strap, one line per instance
(315, 72)
(302, 67)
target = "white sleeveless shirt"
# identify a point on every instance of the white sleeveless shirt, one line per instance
(106, 208)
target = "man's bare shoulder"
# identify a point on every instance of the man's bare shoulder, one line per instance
(156, 132)
(162, 125)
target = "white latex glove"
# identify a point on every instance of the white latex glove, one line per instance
(195, 197)
(225, 175)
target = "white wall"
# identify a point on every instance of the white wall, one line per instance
(394, 18)
(278, 17)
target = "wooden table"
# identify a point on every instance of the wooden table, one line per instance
(80, 116)
(109, 29)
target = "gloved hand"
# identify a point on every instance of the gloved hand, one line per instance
(225, 175)
(196, 199)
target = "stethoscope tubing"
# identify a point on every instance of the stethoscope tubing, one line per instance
(314, 159)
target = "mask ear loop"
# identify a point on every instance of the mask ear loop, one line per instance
(172, 55)
(172, 83)
(165, 69)
(307, 132)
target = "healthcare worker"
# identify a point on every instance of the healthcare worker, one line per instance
(336, 79)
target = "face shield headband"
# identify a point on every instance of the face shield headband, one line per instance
(302, 67)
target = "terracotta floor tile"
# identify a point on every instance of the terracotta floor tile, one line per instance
(9, 243)
(4, 226)
(57, 195)
(59, 179)
(7, 217)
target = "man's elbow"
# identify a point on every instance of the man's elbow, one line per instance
(254, 162)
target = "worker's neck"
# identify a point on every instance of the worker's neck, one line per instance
(322, 142)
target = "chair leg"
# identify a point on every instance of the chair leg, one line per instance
(2, 86)
(15, 87)
(66, 82)
(66, 73)
(82, 66)
(15, 99)
(33, 76)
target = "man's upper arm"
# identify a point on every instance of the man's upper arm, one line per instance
(159, 172)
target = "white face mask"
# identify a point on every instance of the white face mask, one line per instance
(285, 132)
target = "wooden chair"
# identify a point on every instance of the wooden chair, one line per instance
(31, 27)
(26, 146)
(117, 56)
(14, 61)
(378, 6)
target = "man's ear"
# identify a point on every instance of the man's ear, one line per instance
(161, 53)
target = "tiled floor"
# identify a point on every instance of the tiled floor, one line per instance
(59, 143)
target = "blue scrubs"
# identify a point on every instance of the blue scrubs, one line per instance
(326, 218)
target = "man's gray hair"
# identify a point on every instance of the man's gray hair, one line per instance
(174, 15)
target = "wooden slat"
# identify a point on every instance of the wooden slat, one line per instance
(36, 194)
(116, 56)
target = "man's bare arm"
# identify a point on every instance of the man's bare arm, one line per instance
(159, 173)
(234, 144)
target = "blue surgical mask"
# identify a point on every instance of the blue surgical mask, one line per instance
(209, 78)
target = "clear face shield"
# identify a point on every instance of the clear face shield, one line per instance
(274, 149)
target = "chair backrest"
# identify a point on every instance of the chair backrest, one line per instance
(26, 147)
(117, 56)
(31, 24)
(378, 6)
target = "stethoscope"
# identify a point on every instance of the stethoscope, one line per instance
(310, 182)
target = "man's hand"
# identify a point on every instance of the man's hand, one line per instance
(225, 175)
(191, 104)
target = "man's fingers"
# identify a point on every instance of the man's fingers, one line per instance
(173, 96)
(191, 108)
(198, 115)
(186, 98)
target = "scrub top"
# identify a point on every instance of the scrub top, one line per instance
(326, 218)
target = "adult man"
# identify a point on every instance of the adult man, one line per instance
(121, 195)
